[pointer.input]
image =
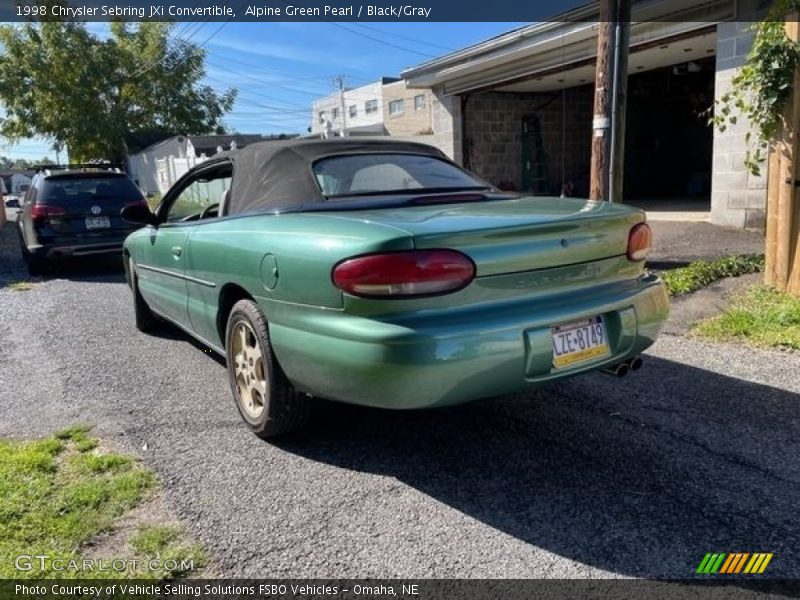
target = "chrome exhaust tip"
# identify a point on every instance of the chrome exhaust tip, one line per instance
(635, 363)
(618, 370)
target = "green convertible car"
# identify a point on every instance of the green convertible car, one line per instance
(378, 272)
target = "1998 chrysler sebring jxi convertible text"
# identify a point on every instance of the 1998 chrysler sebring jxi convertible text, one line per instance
(377, 272)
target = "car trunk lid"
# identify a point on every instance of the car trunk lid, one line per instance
(518, 234)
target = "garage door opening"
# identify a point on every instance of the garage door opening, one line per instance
(669, 141)
(540, 142)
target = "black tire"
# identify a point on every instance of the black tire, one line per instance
(36, 266)
(282, 408)
(144, 318)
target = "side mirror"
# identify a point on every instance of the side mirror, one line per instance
(12, 203)
(139, 214)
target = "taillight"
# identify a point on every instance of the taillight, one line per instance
(142, 203)
(640, 240)
(45, 211)
(412, 273)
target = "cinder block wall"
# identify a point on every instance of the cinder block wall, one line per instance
(493, 132)
(738, 198)
(446, 118)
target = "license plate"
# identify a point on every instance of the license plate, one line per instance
(98, 222)
(578, 341)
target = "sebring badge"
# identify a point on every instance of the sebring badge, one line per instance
(96, 210)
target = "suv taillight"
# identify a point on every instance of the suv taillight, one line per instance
(640, 240)
(45, 211)
(142, 203)
(404, 274)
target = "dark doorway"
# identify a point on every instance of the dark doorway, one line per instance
(668, 143)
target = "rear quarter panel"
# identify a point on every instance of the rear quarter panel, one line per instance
(283, 261)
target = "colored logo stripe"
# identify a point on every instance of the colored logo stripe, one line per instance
(733, 563)
(711, 563)
(758, 563)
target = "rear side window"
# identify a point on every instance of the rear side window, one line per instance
(96, 189)
(367, 174)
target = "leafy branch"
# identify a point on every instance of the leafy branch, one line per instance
(763, 86)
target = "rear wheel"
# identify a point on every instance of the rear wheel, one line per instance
(36, 266)
(266, 399)
(144, 318)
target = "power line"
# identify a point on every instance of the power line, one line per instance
(378, 40)
(367, 36)
(164, 58)
(403, 37)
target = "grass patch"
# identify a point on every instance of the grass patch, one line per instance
(702, 272)
(58, 493)
(21, 286)
(166, 544)
(761, 316)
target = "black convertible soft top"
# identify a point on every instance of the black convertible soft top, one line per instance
(278, 176)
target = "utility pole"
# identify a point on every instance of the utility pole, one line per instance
(339, 82)
(610, 95)
(619, 102)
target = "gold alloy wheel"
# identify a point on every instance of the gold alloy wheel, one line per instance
(248, 365)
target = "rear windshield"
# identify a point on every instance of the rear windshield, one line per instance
(376, 174)
(97, 189)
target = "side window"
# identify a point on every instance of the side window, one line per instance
(201, 194)
(30, 195)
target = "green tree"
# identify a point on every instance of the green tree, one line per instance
(57, 80)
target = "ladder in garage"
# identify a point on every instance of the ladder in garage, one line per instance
(534, 160)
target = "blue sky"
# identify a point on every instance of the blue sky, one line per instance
(279, 68)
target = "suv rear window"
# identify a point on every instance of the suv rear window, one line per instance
(97, 189)
(368, 174)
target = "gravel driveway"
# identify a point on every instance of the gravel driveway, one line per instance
(596, 477)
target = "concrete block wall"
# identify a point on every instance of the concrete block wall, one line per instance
(446, 120)
(494, 136)
(738, 198)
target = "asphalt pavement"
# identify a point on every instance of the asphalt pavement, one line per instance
(594, 477)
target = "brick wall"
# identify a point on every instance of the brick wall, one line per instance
(493, 134)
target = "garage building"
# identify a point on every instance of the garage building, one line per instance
(517, 108)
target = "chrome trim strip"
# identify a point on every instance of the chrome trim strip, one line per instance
(210, 284)
(191, 333)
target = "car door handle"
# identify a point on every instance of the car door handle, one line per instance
(176, 251)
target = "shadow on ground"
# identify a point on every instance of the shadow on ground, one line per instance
(639, 477)
(12, 267)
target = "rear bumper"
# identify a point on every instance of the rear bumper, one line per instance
(458, 356)
(62, 251)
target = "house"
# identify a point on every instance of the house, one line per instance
(406, 112)
(384, 107)
(17, 181)
(356, 111)
(517, 109)
(160, 165)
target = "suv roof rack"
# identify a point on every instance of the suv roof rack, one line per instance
(47, 169)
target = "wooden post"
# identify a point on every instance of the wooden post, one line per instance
(783, 217)
(603, 89)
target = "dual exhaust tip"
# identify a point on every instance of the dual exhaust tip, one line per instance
(623, 368)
